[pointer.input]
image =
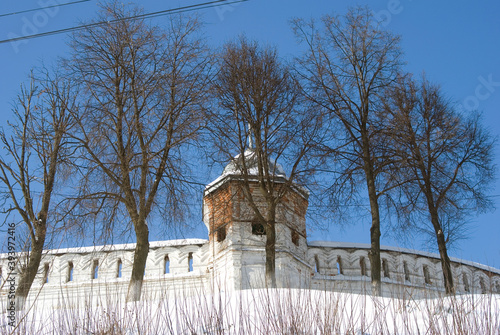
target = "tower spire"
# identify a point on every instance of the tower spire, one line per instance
(250, 141)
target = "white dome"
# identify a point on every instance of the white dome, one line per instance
(235, 167)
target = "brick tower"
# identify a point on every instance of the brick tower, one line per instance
(237, 240)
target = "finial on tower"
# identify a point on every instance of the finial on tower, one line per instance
(250, 142)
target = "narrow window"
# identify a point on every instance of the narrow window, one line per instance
(95, 269)
(362, 265)
(46, 273)
(497, 287)
(316, 264)
(385, 267)
(466, 283)
(406, 271)
(340, 271)
(166, 265)
(119, 268)
(190, 262)
(70, 272)
(427, 276)
(258, 229)
(295, 237)
(482, 285)
(221, 234)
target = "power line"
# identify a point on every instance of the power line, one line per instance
(41, 8)
(189, 8)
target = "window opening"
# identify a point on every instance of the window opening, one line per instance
(385, 267)
(46, 273)
(482, 285)
(95, 269)
(70, 272)
(166, 265)
(466, 283)
(295, 237)
(362, 265)
(258, 229)
(316, 264)
(427, 276)
(221, 234)
(119, 265)
(406, 271)
(190, 262)
(340, 271)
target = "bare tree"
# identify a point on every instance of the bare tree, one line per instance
(37, 147)
(346, 68)
(446, 160)
(143, 91)
(259, 118)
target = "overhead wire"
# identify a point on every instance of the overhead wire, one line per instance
(170, 11)
(43, 7)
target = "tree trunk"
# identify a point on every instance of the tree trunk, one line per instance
(443, 252)
(374, 253)
(27, 276)
(271, 246)
(139, 264)
(271, 254)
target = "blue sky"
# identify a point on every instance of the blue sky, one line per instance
(456, 44)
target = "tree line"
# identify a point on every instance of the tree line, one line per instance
(107, 137)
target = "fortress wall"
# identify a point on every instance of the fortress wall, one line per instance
(79, 275)
(346, 266)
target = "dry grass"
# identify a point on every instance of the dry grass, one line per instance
(273, 311)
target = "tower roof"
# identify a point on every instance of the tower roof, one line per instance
(235, 169)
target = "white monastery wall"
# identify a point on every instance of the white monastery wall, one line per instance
(73, 275)
(330, 265)
(234, 259)
(339, 266)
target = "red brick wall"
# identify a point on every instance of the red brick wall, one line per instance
(227, 204)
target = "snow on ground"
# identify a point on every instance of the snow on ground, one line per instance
(275, 311)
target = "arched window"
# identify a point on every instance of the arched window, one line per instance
(466, 282)
(166, 265)
(190, 262)
(46, 273)
(406, 271)
(316, 264)
(482, 285)
(119, 265)
(340, 271)
(258, 229)
(69, 276)
(385, 267)
(221, 234)
(427, 276)
(295, 237)
(362, 265)
(95, 269)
